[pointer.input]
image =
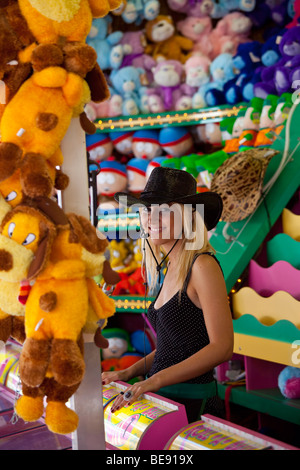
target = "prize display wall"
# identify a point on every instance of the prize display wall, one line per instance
(253, 110)
(117, 89)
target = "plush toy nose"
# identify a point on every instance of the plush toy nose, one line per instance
(6, 260)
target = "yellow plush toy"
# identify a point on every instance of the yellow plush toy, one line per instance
(71, 20)
(35, 121)
(60, 253)
(12, 311)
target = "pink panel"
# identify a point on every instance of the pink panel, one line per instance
(280, 276)
(261, 374)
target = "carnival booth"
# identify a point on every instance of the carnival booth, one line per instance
(94, 96)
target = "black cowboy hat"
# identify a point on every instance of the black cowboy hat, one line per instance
(166, 185)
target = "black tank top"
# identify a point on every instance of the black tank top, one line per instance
(180, 329)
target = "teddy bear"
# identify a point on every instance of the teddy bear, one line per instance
(198, 30)
(246, 62)
(126, 82)
(163, 41)
(58, 249)
(168, 77)
(136, 42)
(107, 45)
(223, 7)
(197, 73)
(197, 8)
(229, 32)
(221, 71)
(269, 56)
(136, 11)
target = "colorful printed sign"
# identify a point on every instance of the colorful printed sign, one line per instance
(204, 436)
(125, 427)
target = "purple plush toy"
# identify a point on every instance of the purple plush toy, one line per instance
(168, 77)
(136, 42)
(279, 78)
(289, 382)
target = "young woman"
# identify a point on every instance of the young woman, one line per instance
(190, 314)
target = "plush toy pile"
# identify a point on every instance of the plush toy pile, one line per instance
(48, 259)
(205, 54)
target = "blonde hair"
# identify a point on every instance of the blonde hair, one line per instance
(194, 241)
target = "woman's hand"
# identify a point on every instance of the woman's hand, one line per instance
(132, 393)
(113, 376)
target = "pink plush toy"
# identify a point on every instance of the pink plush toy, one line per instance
(198, 30)
(198, 8)
(168, 76)
(196, 74)
(109, 108)
(229, 32)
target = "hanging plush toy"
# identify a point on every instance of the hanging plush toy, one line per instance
(60, 253)
(34, 123)
(14, 37)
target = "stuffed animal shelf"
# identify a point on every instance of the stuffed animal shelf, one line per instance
(61, 253)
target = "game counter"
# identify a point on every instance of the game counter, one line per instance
(157, 423)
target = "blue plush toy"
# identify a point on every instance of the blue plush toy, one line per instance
(289, 382)
(246, 61)
(127, 83)
(104, 43)
(221, 70)
(270, 55)
(138, 10)
(225, 6)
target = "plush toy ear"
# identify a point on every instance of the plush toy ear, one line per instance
(86, 234)
(41, 257)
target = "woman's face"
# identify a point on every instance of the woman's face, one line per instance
(162, 222)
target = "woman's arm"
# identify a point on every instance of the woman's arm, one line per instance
(141, 367)
(207, 283)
